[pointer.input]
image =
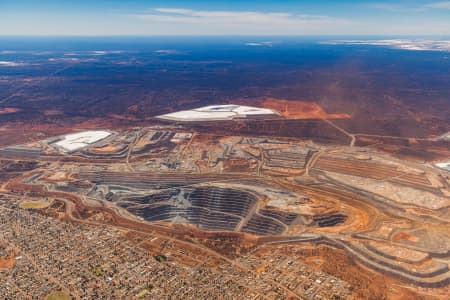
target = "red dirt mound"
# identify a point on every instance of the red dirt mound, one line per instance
(300, 109)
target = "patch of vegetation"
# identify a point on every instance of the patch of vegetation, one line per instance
(97, 271)
(57, 296)
(102, 269)
(144, 292)
(161, 258)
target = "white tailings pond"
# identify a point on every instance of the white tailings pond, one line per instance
(75, 141)
(218, 112)
(443, 165)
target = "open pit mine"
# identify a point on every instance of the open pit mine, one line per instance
(252, 217)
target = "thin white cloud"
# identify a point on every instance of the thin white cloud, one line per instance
(442, 5)
(390, 7)
(181, 15)
(176, 21)
(218, 14)
(257, 44)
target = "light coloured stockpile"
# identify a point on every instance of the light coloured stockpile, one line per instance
(394, 192)
(75, 141)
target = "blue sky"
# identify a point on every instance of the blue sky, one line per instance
(218, 17)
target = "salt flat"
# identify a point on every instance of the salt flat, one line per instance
(406, 44)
